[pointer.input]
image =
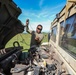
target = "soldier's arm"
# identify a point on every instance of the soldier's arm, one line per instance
(39, 38)
(27, 28)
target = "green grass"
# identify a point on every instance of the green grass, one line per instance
(24, 40)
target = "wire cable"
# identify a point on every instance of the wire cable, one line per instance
(24, 40)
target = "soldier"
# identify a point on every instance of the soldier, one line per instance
(36, 36)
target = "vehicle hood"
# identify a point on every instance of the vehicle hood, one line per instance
(10, 25)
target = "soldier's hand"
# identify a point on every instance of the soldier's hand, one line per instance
(27, 21)
(36, 38)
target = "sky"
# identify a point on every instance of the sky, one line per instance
(39, 12)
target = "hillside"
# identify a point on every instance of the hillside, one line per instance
(24, 40)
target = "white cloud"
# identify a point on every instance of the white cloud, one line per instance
(46, 25)
(45, 12)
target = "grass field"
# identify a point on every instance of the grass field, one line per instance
(24, 40)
